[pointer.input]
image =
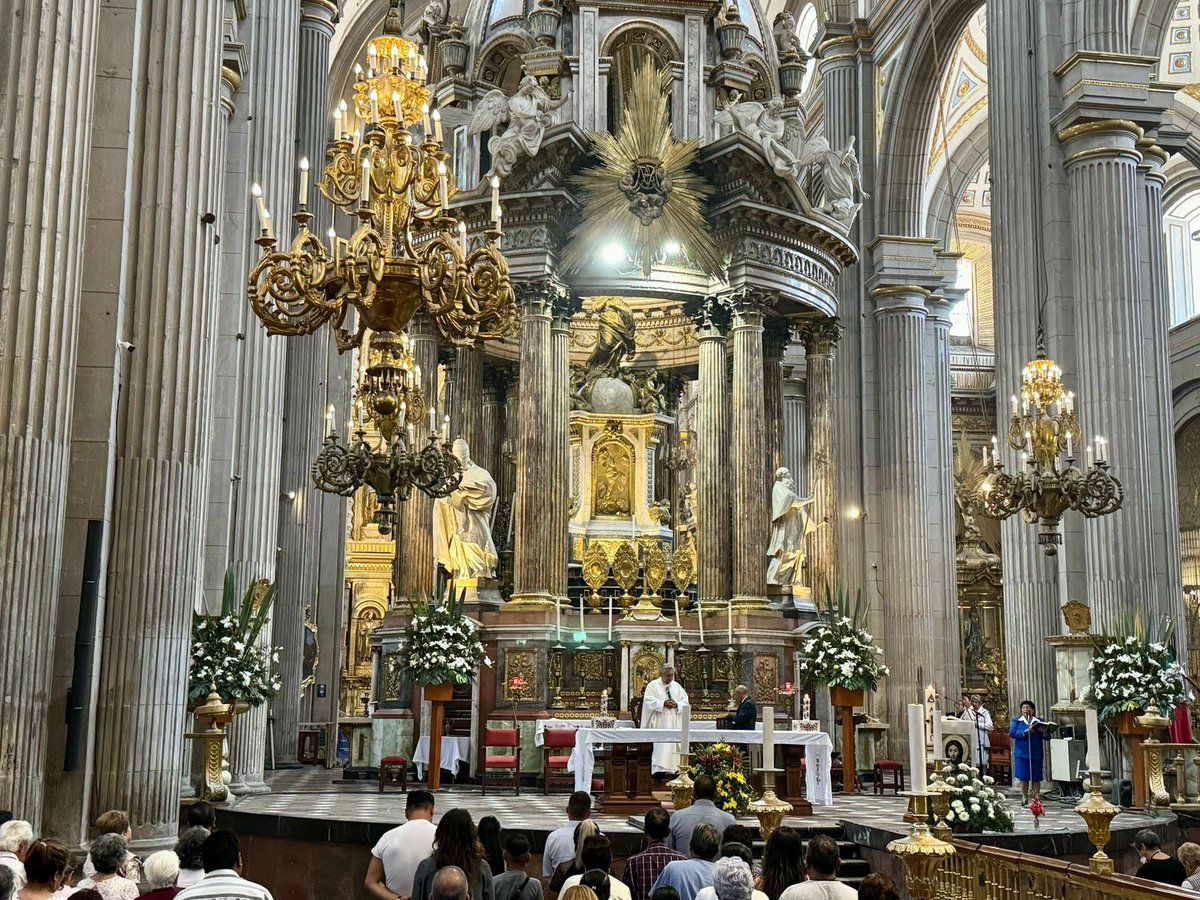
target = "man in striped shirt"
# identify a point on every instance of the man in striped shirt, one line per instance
(222, 860)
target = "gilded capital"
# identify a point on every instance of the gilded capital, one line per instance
(819, 335)
(539, 297)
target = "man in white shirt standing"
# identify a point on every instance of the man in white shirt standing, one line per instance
(560, 844)
(974, 711)
(222, 880)
(394, 859)
(661, 704)
(823, 858)
(15, 837)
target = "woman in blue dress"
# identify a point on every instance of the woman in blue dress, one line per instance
(1028, 741)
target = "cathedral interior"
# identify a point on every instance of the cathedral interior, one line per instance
(645, 329)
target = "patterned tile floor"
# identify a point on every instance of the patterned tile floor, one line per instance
(311, 792)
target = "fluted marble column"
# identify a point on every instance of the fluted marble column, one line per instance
(1102, 167)
(819, 337)
(466, 408)
(254, 547)
(535, 533)
(1156, 322)
(416, 557)
(315, 376)
(939, 473)
(747, 444)
(559, 403)
(841, 58)
(158, 532)
(1031, 597)
(775, 338)
(45, 125)
(908, 608)
(712, 485)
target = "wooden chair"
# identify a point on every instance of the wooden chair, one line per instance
(1000, 758)
(393, 770)
(894, 773)
(507, 740)
(557, 744)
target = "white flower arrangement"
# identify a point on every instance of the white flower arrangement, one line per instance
(842, 653)
(1132, 673)
(441, 644)
(975, 804)
(226, 654)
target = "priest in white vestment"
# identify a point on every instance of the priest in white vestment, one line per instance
(661, 708)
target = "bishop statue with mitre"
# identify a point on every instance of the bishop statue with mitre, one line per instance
(662, 705)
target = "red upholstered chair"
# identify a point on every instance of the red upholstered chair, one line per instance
(557, 744)
(1000, 757)
(893, 772)
(393, 770)
(507, 741)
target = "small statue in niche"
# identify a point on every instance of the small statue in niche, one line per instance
(660, 512)
(841, 175)
(790, 527)
(688, 508)
(528, 114)
(787, 42)
(436, 14)
(764, 124)
(462, 523)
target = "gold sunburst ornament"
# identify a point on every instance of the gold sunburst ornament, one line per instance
(644, 196)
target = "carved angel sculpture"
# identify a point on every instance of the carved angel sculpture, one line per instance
(764, 124)
(435, 15)
(527, 113)
(841, 174)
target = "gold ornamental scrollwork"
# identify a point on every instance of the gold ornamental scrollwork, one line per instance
(654, 563)
(595, 572)
(689, 667)
(766, 679)
(683, 566)
(646, 666)
(625, 571)
(591, 665)
(520, 674)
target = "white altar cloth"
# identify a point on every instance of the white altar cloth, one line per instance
(818, 751)
(454, 751)
(539, 731)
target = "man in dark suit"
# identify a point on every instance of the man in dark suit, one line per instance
(745, 717)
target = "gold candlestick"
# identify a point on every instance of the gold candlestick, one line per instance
(769, 809)
(681, 786)
(1098, 813)
(939, 793)
(921, 853)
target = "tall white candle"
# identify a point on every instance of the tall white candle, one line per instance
(261, 203)
(581, 628)
(303, 182)
(436, 115)
(937, 733)
(610, 618)
(558, 619)
(731, 621)
(685, 729)
(768, 731)
(700, 621)
(432, 419)
(443, 187)
(425, 120)
(1092, 721)
(678, 601)
(495, 198)
(374, 97)
(916, 746)
(366, 181)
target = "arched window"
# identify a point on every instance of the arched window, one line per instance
(628, 50)
(807, 26)
(1182, 226)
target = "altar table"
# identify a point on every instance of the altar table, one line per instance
(539, 731)
(818, 750)
(454, 751)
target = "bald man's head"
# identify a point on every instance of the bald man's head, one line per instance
(450, 883)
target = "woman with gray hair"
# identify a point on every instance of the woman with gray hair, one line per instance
(161, 870)
(732, 879)
(108, 856)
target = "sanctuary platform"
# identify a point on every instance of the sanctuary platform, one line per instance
(312, 837)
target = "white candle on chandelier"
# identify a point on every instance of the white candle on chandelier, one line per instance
(443, 186)
(1089, 456)
(412, 436)
(358, 72)
(495, 198)
(1070, 448)
(337, 124)
(425, 120)
(436, 115)
(417, 373)
(396, 113)
(462, 237)
(257, 192)
(333, 245)
(1014, 404)
(372, 60)
(268, 228)
(445, 429)
(329, 419)
(374, 97)
(1102, 448)
(366, 181)
(395, 57)
(432, 419)
(303, 182)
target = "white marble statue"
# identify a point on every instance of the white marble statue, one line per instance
(527, 113)
(462, 522)
(783, 30)
(661, 705)
(841, 174)
(764, 124)
(790, 526)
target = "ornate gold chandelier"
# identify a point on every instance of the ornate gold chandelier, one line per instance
(1043, 427)
(408, 252)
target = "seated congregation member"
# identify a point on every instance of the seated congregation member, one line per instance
(642, 869)
(731, 870)
(1189, 857)
(45, 870)
(703, 809)
(574, 864)
(878, 886)
(456, 843)
(449, 883)
(516, 883)
(489, 836)
(201, 815)
(597, 856)
(396, 855)
(666, 892)
(745, 717)
(783, 862)
(116, 821)
(824, 857)
(161, 871)
(15, 837)
(740, 834)
(579, 892)
(597, 881)
(690, 876)
(1156, 865)
(108, 856)
(190, 851)
(561, 843)
(222, 855)
(8, 883)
